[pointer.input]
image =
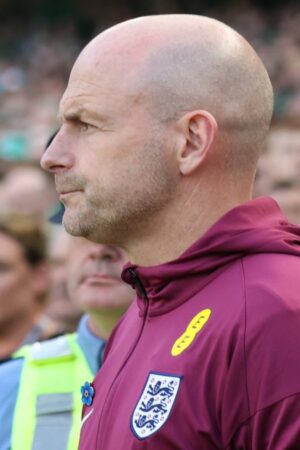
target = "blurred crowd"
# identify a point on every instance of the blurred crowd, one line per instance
(275, 35)
(35, 62)
(33, 74)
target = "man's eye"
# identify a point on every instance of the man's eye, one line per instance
(107, 257)
(85, 126)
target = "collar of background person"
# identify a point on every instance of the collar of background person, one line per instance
(57, 214)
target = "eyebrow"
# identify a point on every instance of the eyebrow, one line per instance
(72, 114)
(77, 114)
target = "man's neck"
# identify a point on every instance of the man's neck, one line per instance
(170, 235)
(102, 323)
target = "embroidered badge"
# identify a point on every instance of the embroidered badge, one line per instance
(87, 393)
(193, 328)
(155, 404)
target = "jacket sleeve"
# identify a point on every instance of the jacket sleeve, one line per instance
(276, 427)
(10, 373)
(272, 367)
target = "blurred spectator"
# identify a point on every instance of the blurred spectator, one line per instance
(25, 189)
(50, 391)
(94, 283)
(279, 169)
(24, 284)
(60, 308)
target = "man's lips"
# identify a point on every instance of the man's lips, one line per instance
(68, 192)
(98, 279)
(65, 194)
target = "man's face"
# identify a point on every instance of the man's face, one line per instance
(17, 281)
(111, 168)
(94, 277)
(60, 306)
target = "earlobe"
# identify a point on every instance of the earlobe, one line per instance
(199, 128)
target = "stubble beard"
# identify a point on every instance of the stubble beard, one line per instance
(116, 214)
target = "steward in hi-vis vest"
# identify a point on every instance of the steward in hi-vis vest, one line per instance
(40, 391)
(43, 387)
(48, 408)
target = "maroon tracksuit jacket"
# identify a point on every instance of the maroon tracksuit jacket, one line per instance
(208, 357)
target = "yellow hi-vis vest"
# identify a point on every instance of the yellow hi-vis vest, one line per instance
(48, 408)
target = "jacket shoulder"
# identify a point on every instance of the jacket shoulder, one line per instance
(272, 328)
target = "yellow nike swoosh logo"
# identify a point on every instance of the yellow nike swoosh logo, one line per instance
(189, 335)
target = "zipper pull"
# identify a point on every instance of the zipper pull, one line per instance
(138, 284)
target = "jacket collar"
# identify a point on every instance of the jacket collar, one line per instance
(257, 226)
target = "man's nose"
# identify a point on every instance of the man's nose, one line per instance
(57, 158)
(98, 251)
(103, 253)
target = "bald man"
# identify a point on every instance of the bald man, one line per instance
(163, 121)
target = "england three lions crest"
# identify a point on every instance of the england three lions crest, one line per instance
(155, 404)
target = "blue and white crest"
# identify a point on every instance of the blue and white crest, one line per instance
(155, 404)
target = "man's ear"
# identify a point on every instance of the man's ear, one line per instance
(198, 130)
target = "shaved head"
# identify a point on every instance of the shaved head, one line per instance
(179, 63)
(162, 114)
